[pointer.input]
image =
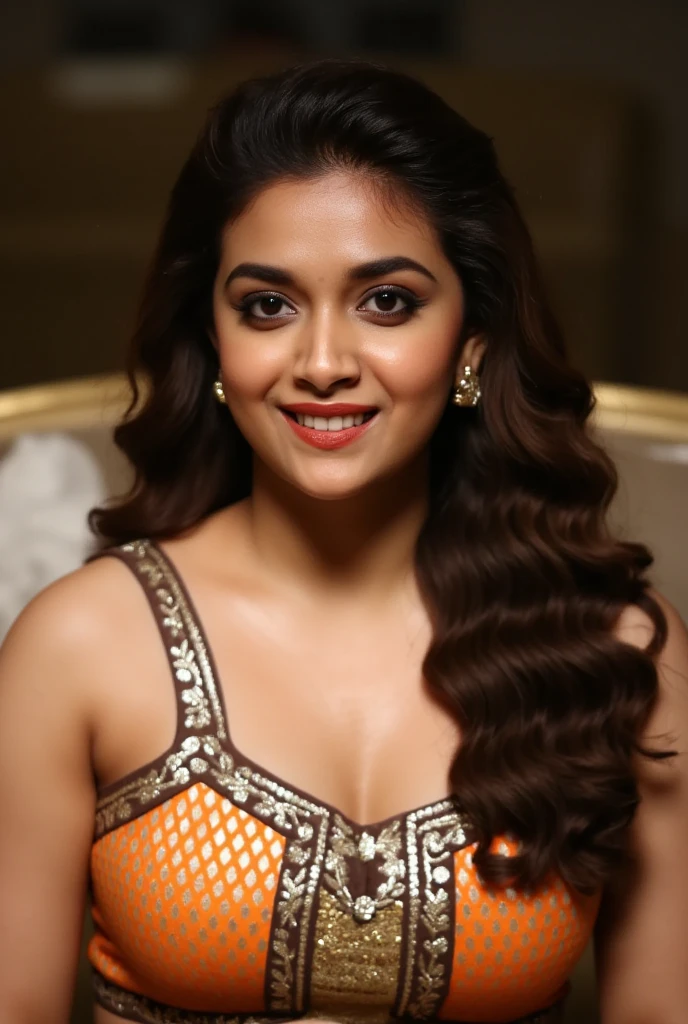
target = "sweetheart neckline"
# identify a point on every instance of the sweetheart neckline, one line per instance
(243, 759)
(240, 758)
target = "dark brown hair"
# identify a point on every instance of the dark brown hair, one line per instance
(516, 563)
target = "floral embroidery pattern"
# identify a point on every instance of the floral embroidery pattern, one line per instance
(196, 757)
(322, 847)
(186, 670)
(438, 842)
(344, 846)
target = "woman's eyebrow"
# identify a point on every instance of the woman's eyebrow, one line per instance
(387, 265)
(373, 268)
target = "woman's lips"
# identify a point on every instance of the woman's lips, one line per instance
(327, 439)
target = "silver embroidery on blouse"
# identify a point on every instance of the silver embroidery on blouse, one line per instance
(344, 845)
(305, 824)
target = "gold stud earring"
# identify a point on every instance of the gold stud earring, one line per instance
(219, 391)
(467, 391)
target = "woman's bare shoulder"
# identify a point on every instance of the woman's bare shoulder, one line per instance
(80, 598)
(635, 627)
(73, 620)
(669, 717)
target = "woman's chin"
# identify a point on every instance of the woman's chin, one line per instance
(330, 489)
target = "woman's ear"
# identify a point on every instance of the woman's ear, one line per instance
(472, 354)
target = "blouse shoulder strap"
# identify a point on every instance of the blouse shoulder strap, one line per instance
(200, 711)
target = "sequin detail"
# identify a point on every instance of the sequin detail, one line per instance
(353, 923)
(355, 965)
(432, 836)
(345, 847)
(190, 660)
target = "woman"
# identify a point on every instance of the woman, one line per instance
(369, 528)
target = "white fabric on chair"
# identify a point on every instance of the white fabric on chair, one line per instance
(48, 483)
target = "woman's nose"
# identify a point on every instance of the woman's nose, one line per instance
(328, 353)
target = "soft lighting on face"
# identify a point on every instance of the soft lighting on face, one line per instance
(323, 295)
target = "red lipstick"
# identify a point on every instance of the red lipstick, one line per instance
(327, 408)
(327, 439)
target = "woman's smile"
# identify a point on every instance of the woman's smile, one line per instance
(330, 432)
(322, 296)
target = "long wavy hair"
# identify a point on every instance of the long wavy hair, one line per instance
(521, 575)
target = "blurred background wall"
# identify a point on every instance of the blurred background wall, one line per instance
(101, 99)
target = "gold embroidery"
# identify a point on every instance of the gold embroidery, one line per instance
(186, 670)
(439, 839)
(285, 811)
(282, 974)
(440, 830)
(169, 608)
(343, 845)
(117, 806)
(139, 1008)
(200, 756)
(177, 770)
(177, 617)
(304, 823)
(355, 966)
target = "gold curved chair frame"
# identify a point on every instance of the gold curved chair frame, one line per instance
(91, 402)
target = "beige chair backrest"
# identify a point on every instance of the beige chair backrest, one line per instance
(645, 430)
(646, 433)
(86, 409)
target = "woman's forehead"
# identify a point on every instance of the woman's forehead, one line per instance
(338, 217)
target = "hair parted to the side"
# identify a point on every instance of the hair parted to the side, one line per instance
(520, 573)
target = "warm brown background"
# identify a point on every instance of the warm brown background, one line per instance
(586, 102)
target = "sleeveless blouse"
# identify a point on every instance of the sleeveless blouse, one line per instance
(221, 893)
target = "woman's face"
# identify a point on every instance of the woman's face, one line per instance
(325, 295)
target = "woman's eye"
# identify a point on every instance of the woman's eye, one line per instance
(390, 302)
(387, 302)
(265, 306)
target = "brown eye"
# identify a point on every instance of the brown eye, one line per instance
(386, 301)
(392, 302)
(266, 305)
(263, 307)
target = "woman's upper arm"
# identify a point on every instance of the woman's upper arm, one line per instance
(641, 940)
(46, 805)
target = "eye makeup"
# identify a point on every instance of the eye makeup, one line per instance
(411, 304)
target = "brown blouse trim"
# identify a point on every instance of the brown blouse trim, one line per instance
(147, 1011)
(407, 859)
(201, 713)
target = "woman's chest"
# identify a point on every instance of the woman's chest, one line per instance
(220, 885)
(345, 715)
(267, 902)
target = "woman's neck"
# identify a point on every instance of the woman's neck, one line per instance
(357, 548)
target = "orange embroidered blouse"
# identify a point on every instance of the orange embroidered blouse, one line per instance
(222, 894)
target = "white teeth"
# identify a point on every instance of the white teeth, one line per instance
(331, 423)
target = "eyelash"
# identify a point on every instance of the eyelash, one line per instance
(413, 303)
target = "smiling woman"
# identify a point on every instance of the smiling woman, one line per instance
(337, 311)
(420, 737)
